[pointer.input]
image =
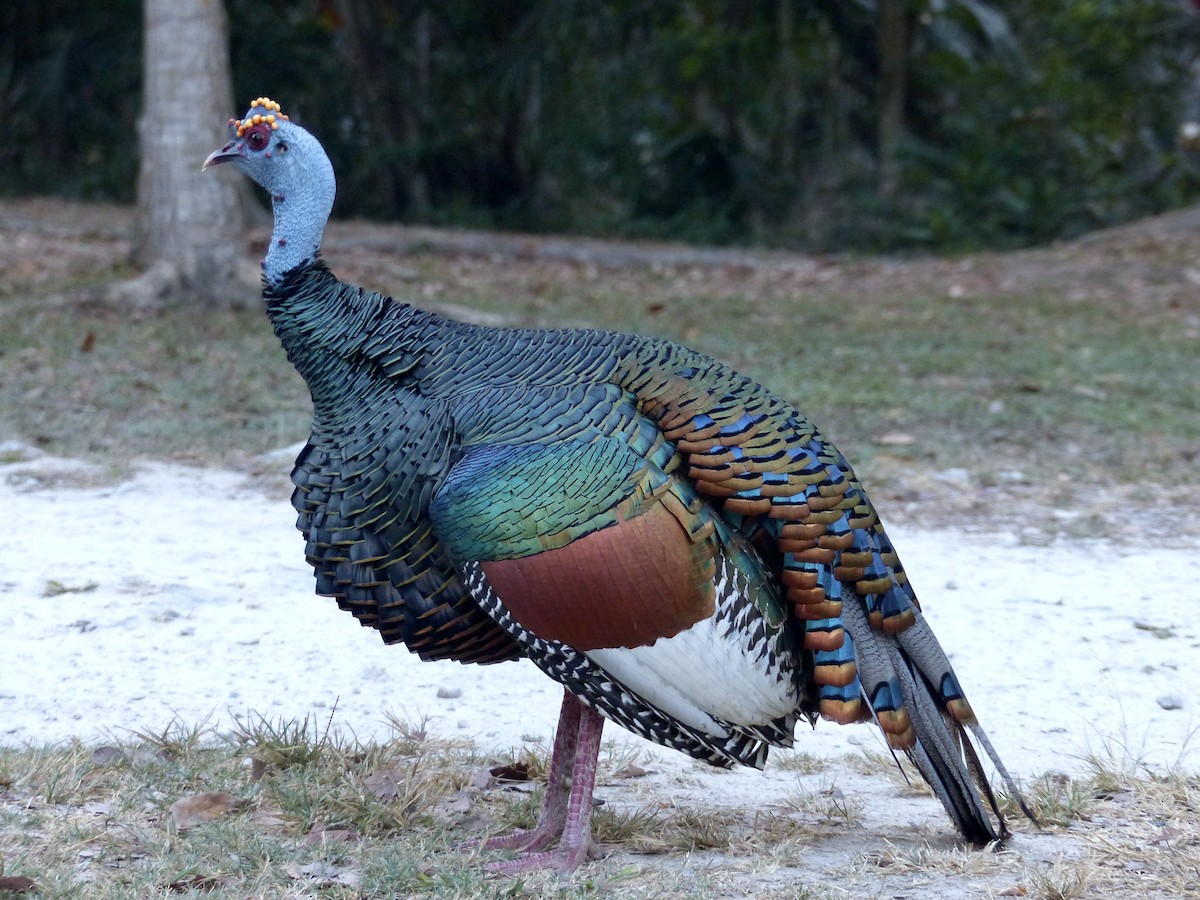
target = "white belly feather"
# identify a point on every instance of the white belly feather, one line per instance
(723, 667)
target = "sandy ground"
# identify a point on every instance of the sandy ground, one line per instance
(182, 593)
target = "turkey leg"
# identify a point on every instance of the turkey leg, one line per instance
(567, 808)
(553, 816)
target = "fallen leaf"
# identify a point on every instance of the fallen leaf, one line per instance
(480, 780)
(258, 769)
(320, 874)
(312, 870)
(17, 884)
(512, 772)
(203, 883)
(104, 755)
(197, 808)
(630, 771)
(146, 756)
(269, 818)
(384, 783)
(454, 805)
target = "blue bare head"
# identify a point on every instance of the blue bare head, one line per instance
(292, 166)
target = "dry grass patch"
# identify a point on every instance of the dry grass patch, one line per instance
(1144, 831)
(287, 809)
(951, 861)
(1061, 881)
(687, 831)
(1137, 830)
(273, 809)
(799, 761)
(828, 805)
(895, 767)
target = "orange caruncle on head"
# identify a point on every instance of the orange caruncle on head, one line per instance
(271, 112)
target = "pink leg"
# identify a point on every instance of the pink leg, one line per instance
(576, 843)
(553, 816)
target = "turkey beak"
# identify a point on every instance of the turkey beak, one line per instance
(228, 153)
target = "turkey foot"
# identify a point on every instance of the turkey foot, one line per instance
(553, 816)
(567, 807)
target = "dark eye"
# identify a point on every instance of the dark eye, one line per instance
(257, 139)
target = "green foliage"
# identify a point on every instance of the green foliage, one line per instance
(1081, 134)
(69, 95)
(713, 122)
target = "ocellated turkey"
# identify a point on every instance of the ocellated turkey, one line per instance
(674, 544)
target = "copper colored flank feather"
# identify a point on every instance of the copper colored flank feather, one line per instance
(623, 586)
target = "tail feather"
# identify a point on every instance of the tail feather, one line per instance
(948, 762)
(1009, 782)
(933, 720)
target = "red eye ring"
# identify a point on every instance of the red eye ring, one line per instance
(258, 137)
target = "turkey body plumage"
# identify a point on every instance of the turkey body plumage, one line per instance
(666, 538)
(519, 501)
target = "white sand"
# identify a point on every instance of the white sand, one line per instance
(199, 602)
(188, 596)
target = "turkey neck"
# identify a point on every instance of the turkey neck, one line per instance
(345, 341)
(301, 202)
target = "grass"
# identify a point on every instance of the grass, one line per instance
(168, 384)
(316, 820)
(1055, 799)
(56, 588)
(1065, 400)
(993, 383)
(89, 824)
(97, 822)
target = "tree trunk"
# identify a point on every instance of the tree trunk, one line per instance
(789, 86)
(835, 160)
(892, 42)
(189, 225)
